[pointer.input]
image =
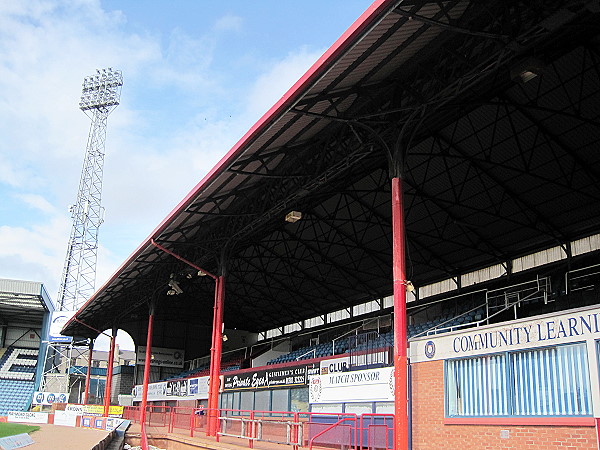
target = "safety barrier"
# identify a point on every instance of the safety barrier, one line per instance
(181, 418)
(132, 413)
(280, 427)
(199, 420)
(377, 431)
(342, 431)
(158, 416)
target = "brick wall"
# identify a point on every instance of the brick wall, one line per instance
(121, 384)
(430, 432)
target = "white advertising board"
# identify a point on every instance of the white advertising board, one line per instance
(361, 386)
(163, 357)
(187, 389)
(58, 319)
(27, 417)
(549, 329)
(65, 418)
(113, 423)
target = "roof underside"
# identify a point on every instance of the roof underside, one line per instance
(492, 168)
(22, 302)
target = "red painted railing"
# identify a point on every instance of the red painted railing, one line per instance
(296, 429)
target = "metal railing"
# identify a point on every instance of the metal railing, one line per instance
(338, 433)
(586, 278)
(296, 429)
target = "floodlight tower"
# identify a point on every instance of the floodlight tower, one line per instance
(100, 96)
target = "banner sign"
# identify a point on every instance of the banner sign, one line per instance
(94, 410)
(65, 418)
(163, 357)
(549, 329)
(270, 378)
(27, 417)
(58, 319)
(360, 386)
(185, 389)
(334, 365)
(48, 398)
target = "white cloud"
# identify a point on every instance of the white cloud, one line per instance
(38, 202)
(229, 22)
(281, 76)
(35, 253)
(171, 128)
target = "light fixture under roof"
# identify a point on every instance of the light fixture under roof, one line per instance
(527, 69)
(293, 216)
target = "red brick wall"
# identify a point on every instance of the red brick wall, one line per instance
(429, 431)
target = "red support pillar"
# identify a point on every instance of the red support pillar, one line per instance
(147, 367)
(109, 372)
(215, 359)
(88, 374)
(400, 339)
(212, 358)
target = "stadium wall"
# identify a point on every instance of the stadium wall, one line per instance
(530, 383)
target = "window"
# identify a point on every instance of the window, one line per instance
(280, 400)
(334, 408)
(359, 408)
(314, 322)
(477, 386)
(552, 381)
(299, 400)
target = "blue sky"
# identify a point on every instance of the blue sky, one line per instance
(197, 74)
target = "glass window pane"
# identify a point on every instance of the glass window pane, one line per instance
(247, 400)
(262, 400)
(384, 408)
(552, 381)
(359, 408)
(326, 407)
(299, 399)
(280, 400)
(477, 386)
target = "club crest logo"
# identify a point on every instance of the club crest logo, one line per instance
(429, 349)
(315, 388)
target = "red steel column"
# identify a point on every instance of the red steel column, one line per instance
(215, 360)
(109, 372)
(212, 359)
(147, 367)
(88, 374)
(400, 341)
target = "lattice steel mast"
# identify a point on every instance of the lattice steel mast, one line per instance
(100, 96)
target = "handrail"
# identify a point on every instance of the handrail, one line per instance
(314, 350)
(363, 322)
(437, 327)
(310, 444)
(479, 322)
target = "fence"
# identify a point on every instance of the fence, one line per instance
(296, 429)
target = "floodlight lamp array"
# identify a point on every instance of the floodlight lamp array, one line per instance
(102, 90)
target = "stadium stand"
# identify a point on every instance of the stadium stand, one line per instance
(17, 373)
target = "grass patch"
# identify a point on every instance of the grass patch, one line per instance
(10, 429)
